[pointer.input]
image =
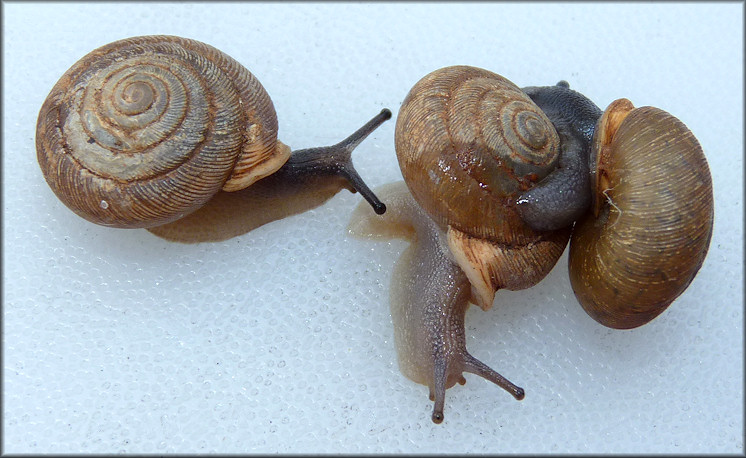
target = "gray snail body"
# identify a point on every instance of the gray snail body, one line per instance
(429, 297)
(496, 219)
(146, 131)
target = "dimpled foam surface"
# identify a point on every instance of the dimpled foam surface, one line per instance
(281, 340)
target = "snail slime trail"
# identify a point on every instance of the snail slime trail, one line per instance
(495, 179)
(146, 131)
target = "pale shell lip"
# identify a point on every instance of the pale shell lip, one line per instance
(606, 127)
(253, 165)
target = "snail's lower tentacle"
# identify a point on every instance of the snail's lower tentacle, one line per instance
(336, 160)
(563, 195)
(438, 394)
(359, 185)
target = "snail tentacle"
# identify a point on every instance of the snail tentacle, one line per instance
(477, 367)
(564, 195)
(438, 393)
(336, 160)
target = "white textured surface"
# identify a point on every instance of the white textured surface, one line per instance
(281, 340)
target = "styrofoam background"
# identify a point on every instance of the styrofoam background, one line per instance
(281, 340)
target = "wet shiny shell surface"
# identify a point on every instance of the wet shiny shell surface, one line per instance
(468, 140)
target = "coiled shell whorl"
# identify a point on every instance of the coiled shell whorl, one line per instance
(651, 226)
(468, 141)
(143, 131)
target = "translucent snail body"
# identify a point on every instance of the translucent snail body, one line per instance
(469, 144)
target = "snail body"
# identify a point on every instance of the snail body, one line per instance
(144, 131)
(429, 297)
(563, 196)
(484, 214)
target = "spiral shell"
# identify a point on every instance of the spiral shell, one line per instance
(467, 141)
(653, 221)
(143, 131)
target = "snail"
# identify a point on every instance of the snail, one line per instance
(171, 134)
(651, 219)
(494, 178)
(469, 142)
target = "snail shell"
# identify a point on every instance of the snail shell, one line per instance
(467, 133)
(651, 224)
(469, 142)
(143, 131)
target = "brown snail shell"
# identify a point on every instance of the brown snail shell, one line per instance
(142, 131)
(487, 140)
(468, 142)
(651, 223)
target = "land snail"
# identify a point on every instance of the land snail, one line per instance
(495, 178)
(173, 135)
